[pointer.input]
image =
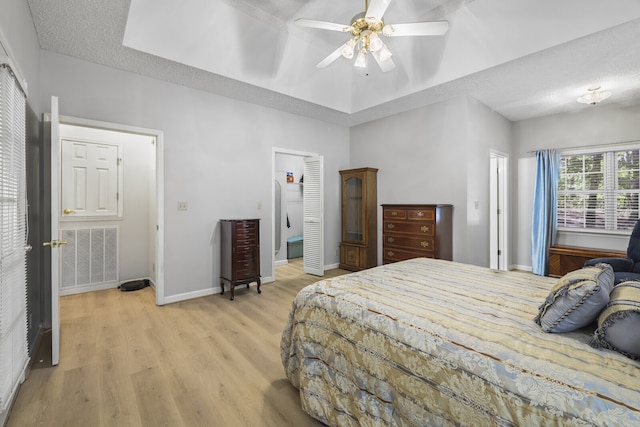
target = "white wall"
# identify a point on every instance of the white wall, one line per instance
(217, 155)
(605, 123)
(437, 154)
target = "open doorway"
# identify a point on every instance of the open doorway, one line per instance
(498, 201)
(109, 242)
(289, 214)
(297, 228)
(101, 171)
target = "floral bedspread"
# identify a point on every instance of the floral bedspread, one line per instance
(435, 343)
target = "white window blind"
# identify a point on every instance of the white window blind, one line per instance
(598, 190)
(13, 311)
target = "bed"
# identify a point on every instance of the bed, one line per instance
(429, 342)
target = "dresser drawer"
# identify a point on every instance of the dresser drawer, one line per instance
(419, 228)
(394, 254)
(426, 243)
(394, 214)
(245, 233)
(421, 214)
(247, 253)
(249, 241)
(416, 230)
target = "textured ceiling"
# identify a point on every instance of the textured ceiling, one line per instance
(521, 58)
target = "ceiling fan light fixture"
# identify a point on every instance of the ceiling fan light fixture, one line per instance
(361, 60)
(594, 96)
(348, 49)
(366, 29)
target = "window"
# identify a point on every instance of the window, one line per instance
(13, 306)
(598, 190)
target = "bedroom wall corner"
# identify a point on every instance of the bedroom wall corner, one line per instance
(421, 156)
(487, 131)
(593, 125)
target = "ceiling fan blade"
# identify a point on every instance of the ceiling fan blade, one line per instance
(431, 28)
(323, 25)
(386, 65)
(376, 9)
(331, 58)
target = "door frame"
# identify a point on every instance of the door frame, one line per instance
(159, 214)
(274, 152)
(498, 211)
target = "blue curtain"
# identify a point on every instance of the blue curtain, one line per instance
(545, 224)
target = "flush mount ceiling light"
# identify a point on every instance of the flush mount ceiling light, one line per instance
(594, 96)
(366, 29)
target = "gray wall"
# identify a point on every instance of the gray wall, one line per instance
(437, 154)
(218, 158)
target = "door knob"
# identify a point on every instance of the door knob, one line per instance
(68, 211)
(55, 243)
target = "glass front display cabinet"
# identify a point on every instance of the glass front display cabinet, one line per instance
(358, 248)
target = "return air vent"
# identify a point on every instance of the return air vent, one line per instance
(90, 256)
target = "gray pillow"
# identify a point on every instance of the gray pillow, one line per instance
(576, 300)
(619, 323)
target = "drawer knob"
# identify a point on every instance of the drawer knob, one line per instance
(390, 240)
(420, 214)
(390, 253)
(390, 226)
(424, 228)
(394, 213)
(425, 244)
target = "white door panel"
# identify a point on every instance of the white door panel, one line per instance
(313, 228)
(90, 181)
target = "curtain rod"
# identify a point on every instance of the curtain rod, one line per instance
(584, 147)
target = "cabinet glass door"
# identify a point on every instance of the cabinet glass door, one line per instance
(353, 210)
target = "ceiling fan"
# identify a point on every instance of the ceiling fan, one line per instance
(366, 29)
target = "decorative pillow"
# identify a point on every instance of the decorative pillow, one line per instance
(576, 300)
(619, 324)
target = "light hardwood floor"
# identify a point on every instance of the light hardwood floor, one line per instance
(206, 362)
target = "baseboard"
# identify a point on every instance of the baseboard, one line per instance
(524, 268)
(191, 295)
(100, 287)
(282, 262)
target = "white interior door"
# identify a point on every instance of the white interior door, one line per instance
(55, 273)
(89, 185)
(498, 213)
(313, 221)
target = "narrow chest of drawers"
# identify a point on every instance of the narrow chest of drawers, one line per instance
(239, 253)
(412, 231)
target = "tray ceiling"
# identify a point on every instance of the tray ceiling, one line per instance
(520, 58)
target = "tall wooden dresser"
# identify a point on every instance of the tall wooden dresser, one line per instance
(412, 231)
(239, 253)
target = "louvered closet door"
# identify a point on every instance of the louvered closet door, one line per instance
(313, 227)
